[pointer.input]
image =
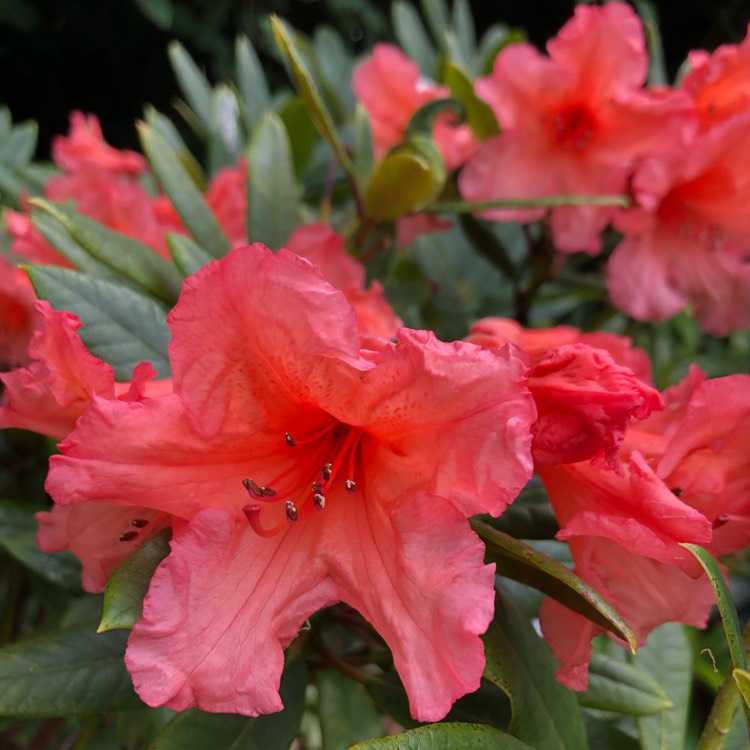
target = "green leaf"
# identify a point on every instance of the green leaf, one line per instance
(657, 70)
(187, 255)
(479, 116)
(363, 147)
(465, 33)
(159, 12)
(70, 672)
(335, 66)
(346, 713)
(303, 134)
(412, 36)
(437, 17)
(448, 735)
(255, 96)
(183, 193)
(310, 94)
(18, 529)
(120, 326)
(272, 192)
(619, 686)
(19, 147)
(194, 85)
(545, 713)
(128, 585)
(742, 680)
(667, 658)
(196, 730)
(523, 563)
(127, 257)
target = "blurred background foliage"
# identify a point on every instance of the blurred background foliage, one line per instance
(110, 58)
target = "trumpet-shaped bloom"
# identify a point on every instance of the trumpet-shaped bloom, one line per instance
(18, 316)
(574, 122)
(307, 471)
(688, 244)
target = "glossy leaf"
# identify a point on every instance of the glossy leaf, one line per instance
(197, 730)
(128, 585)
(347, 715)
(127, 257)
(251, 80)
(120, 326)
(187, 255)
(272, 192)
(70, 672)
(193, 83)
(181, 190)
(621, 687)
(667, 658)
(310, 95)
(545, 713)
(412, 36)
(18, 529)
(448, 735)
(523, 563)
(479, 115)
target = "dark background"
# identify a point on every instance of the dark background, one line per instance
(109, 57)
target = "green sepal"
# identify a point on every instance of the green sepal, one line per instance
(523, 563)
(128, 585)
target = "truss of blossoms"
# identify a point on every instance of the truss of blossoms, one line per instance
(412, 413)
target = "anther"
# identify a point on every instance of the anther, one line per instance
(289, 440)
(139, 523)
(317, 488)
(257, 490)
(351, 486)
(128, 536)
(326, 472)
(677, 491)
(292, 514)
(319, 501)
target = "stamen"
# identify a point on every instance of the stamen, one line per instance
(289, 440)
(128, 536)
(257, 491)
(326, 472)
(318, 488)
(139, 523)
(252, 513)
(677, 491)
(319, 501)
(351, 486)
(292, 514)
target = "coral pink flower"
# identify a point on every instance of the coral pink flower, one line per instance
(29, 244)
(325, 249)
(18, 316)
(689, 242)
(624, 533)
(585, 399)
(358, 464)
(391, 89)
(719, 83)
(227, 198)
(574, 122)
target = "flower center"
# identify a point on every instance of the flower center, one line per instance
(574, 127)
(305, 485)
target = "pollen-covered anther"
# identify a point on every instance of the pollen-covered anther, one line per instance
(256, 490)
(319, 501)
(289, 440)
(318, 489)
(351, 486)
(326, 472)
(139, 523)
(128, 536)
(292, 514)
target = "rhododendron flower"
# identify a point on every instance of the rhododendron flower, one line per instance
(574, 122)
(584, 398)
(325, 249)
(18, 316)
(307, 471)
(227, 198)
(688, 244)
(719, 83)
(390, 87)
(624, 533)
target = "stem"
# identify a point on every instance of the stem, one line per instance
(344, 667)
(549, 201)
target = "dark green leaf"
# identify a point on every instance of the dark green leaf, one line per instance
(18, 529)
(120, 326)
(183, 193)
(438, 18)
(363, 146)
(523, 563)
(128, 257)
(302, 132)
(412, 36)
(667, 658)
(442, 736)
(128, 585)
(479, 115)
(196, 730)
(622, 687)
(465, 34)
(272, 192)
(20, 145)
(346, 713)
(70, 672)
(545, 713)
(159, 12)
(187, 255)
(193, 83)
(251, 80)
